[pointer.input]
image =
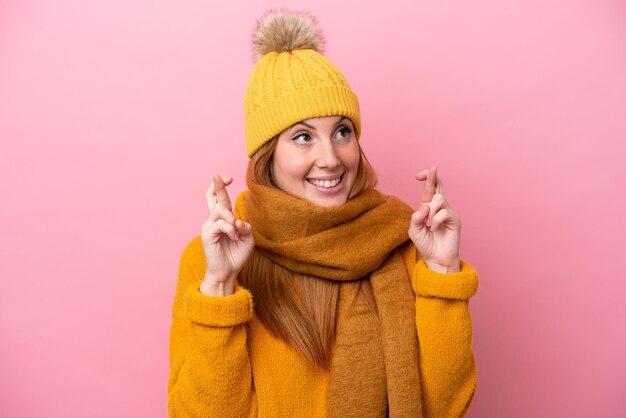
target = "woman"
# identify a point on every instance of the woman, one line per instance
(360, 304)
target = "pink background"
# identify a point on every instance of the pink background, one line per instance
(114, 115)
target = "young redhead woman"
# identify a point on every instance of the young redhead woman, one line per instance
(316, 295)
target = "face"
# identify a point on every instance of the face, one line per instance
(317, 159)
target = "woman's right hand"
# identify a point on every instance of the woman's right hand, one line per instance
(227, 241)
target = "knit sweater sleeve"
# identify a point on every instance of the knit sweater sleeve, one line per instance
(210, 372)
(444, 329)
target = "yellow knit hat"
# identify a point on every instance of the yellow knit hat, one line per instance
(292, 80)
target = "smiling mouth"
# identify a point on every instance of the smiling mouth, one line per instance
(326, 184)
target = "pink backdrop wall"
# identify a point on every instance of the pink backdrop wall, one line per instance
(114, 115)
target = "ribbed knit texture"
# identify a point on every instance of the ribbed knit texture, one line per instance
(218, 311)
(225, 363)
(288, 87)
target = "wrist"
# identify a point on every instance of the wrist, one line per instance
(217, 288)
(454, 267)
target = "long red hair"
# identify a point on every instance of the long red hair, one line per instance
(299, 309)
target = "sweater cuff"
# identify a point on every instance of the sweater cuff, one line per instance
(216, 311)
(461, 285)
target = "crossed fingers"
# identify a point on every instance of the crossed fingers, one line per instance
(217, 193)
(221, 218)
(432, 186)
(432, 195)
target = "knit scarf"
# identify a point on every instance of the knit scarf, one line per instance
(350, 243)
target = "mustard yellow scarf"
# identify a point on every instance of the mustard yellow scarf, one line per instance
(356, 241)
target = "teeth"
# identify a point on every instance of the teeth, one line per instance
(325, 183)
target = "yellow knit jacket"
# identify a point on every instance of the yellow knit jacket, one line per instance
(225, 363)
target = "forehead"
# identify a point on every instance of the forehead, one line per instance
(320, 121)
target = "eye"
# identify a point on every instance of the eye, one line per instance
(344, 132)
(301, 138)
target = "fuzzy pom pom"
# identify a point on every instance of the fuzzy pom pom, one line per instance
(284, 30)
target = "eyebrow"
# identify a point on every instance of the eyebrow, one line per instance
(313, 128)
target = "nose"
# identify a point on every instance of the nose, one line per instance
(327, 155)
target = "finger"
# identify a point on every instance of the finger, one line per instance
(211, 198)
(242, 226)
(437, 219)
(214, 232)
(219, 228)
(435, 204)
(219, 212)
(422, 174)
(444, 215)
(429, 186)
(221, 193)
(244, 229)
(418, 217)
(439, 186)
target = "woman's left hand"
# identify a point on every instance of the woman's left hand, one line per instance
(435, 229)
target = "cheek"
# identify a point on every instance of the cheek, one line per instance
(352, 157)
(291, 168)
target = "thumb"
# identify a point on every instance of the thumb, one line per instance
(419, 217)
(244, 229)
